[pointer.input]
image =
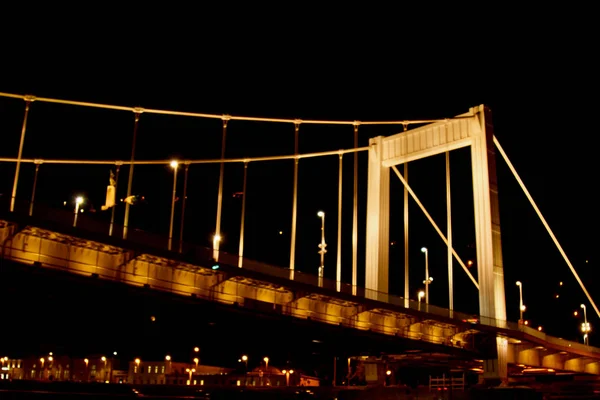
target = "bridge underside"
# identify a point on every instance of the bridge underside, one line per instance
(44, 248)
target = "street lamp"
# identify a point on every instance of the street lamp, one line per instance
(174, 165)
(105, 371)
(196, 361)
(266, 360)
(322, 246)
(521, 305)
(190, 371)
(585, 327)
(287, 376)
(420, 295)
(428, 279)
(78, 202)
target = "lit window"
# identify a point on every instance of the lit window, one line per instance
(149, 368)
(162, 370)
(19, 364)
(156, 369)
(135, 369)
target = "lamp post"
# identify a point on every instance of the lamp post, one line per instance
(78, 202)
(287, 376)
(105, 367)
(196, 361)
(137, 369)
(190, 371)
(245, 360)
(322, 246)
(521, 305)
(174, 165)
(428, 279)
(266, 360)
(87, 375)
(585, 327)
(420, 295)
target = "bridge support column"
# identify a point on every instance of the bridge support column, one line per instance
(378, 216)
(490, 268)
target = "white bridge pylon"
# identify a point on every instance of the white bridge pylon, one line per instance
(474, 130)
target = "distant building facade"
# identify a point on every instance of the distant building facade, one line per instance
(61, 368)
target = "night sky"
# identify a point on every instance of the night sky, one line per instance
(537, 76)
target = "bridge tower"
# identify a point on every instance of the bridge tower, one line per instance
(473, 129)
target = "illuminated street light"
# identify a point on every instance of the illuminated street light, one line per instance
(196, 349)
(420, 295)
(322, 246)
(78, 202)
(87, 374)
(190, 371)
(196, 361)
(585, 327)
(428, 279)
(266, 360)
(174, 165)
(521, 305)
(168, 357)
(245, 360)
(287, 376)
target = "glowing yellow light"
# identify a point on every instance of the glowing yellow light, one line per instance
(174, 164)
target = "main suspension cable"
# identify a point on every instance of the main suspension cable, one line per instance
(163, 162)
(539, 213)
(218, 116)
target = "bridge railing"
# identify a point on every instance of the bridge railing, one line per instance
(88, 222)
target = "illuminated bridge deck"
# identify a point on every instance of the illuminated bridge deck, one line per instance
(266, 288)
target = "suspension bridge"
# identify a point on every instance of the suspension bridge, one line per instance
(30, 236)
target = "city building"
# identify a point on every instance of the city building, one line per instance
(11, 368)
(62, 368)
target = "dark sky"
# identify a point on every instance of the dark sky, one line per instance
(534, 68)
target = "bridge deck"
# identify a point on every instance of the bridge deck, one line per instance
(271, 289)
